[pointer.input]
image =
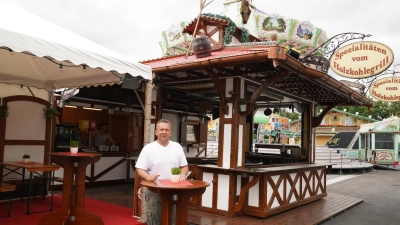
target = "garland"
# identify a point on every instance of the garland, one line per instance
(245, 35)
(230, 29)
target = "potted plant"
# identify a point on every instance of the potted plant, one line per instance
(3, 111)
(175, 174)
(50, 112)
(242, 105)
(194, 144)
(26, 158)
(73, 146)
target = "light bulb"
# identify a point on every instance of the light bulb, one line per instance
(61, 68)
(84, 68)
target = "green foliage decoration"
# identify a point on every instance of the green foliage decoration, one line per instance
(176, 170)
(245, 35)
(74, 144)
(230, 29)
(50, 112)
(3, 111)
(26, 156)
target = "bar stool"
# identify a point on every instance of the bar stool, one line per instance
(4, 187)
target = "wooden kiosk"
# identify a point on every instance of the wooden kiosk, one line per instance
(259, 73)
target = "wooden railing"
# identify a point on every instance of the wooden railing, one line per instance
(335, 129)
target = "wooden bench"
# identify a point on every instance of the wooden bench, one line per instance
(4, 187)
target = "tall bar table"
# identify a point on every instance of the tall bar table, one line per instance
(73, 194)
(176, 194)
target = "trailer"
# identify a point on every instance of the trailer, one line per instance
(379, 142)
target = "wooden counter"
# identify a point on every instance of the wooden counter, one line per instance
(261, 190)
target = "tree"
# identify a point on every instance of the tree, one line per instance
(381, 110)
(394, 109)
(290, 115)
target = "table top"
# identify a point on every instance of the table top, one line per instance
(157, 184)
(79, 154)
(31, 166)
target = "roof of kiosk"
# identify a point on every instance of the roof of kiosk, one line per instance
(259, 59)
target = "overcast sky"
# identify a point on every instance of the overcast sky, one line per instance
(133, 27)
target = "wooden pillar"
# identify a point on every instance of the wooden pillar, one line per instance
(147, 111)
(232, 125)
(308, 131)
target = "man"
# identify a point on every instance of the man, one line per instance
(100, 137)
(155, 162)
(278, 126)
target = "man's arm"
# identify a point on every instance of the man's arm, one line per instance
(184, 172)
(145, 176)
(111, 140)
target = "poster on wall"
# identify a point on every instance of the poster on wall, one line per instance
(361, 59)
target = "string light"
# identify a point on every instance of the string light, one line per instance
(61, 67)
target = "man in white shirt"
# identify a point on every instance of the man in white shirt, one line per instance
(155, 162)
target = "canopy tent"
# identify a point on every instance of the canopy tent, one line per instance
(37, 53)
(261, 118)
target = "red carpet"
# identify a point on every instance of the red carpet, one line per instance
(111, 214)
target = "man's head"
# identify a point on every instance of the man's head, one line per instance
(163, 130)
(104, 127)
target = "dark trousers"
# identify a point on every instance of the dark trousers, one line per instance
(277, 136)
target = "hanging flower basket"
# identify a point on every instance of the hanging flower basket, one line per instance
(3, 111)
(50, 112)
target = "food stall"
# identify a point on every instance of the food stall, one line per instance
(260, 73)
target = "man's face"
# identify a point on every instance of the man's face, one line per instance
(163, 131)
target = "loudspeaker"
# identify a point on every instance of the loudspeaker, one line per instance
(267, 112)
(294, 53)
(131, 82)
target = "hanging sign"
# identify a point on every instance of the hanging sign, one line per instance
(361, 59)
(386, 89)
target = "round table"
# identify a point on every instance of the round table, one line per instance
(176, 194)
(73, 193)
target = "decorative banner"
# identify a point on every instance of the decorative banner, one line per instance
(361, 59)
(386, 89)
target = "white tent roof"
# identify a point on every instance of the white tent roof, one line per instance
(32, 49)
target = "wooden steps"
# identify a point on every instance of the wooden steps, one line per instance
(312, 213)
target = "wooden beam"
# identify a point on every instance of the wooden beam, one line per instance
(239, 205)
(262, 88)
(317, 119)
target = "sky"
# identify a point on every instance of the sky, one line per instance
(133, 28)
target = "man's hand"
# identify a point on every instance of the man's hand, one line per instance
(182, 177)
(152, 177)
